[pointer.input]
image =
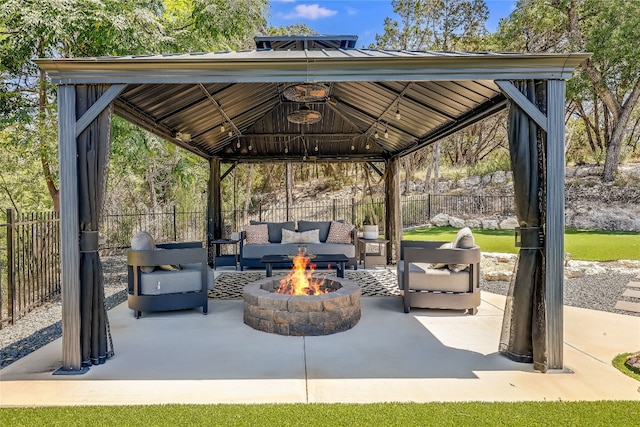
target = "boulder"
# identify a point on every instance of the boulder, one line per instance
(490, 224)
(473, 223)
(440, 220)
(509, 224)
(456, 222)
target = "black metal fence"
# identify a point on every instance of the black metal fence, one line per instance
(29, 262)
(167, 225)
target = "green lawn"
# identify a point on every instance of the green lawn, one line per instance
(608, 413)
(586, 245)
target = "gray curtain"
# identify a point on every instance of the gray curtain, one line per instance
(523, 337)
(93, 153)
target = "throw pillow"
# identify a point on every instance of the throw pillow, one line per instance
(323, 226)
(339, 232)
(464, 239)
(143, 241)
(311, 236)
(275, 229)
(257, 234)
(448, 245)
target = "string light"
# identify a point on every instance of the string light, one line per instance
(367, 146)
(398, 116)
(230, 133)
(238, 144)
(249, 147)
(222, 128)
(286, 149)
(386, 131)
(353, 147)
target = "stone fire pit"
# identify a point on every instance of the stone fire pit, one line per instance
(312, 315)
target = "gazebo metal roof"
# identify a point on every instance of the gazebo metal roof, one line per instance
(189, 98)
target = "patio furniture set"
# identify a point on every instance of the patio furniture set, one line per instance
(434, 275)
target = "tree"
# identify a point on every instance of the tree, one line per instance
(437, 25)
(606, 90)
(94, 28)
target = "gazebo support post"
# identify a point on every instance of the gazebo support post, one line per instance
(554, 242)
(69, 229)
(214, 208)
(393, 217)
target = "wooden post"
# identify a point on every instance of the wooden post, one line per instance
(69, 229)
(393, 217)
(214, 208)
(554, 241)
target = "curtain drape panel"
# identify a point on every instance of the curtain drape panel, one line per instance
(93, 146)
(523, 337)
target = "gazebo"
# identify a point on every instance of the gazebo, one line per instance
(316, 98)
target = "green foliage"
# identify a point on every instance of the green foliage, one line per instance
(598, 413)
(290, 30)
(619, 362)
(435, 25)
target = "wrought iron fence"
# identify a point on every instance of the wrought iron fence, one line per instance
(117, 228)
(29, 262)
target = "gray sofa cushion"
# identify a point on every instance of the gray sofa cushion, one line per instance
(425, 278)
(258, 251)
(275, 229)
(187, 279)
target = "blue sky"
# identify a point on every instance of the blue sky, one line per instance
(364, 18)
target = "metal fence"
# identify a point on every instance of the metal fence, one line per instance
(29, 262)
(117, 228)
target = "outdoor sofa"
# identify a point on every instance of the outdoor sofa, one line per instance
(283, 238)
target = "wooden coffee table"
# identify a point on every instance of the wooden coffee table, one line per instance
(339, 260)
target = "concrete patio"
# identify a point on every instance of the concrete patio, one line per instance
(389, 356)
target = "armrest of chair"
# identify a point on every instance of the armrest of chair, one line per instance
(441, 255)
(169, 256)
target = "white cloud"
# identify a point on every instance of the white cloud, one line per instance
(352, 11)
(310, 11)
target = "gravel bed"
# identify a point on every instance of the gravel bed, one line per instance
(43, 325)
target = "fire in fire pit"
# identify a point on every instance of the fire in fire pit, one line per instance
(300, 280)
(335, 307)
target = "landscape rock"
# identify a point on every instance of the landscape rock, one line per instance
(440, 220)
(490, 224)
(456, 222)
(509, 224)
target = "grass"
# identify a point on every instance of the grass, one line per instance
(602, 413)
(586, 245)
(619, 363)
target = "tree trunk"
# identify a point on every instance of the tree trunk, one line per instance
(289, 188)
(54, 192)
(247, 200)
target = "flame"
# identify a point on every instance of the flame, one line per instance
(300, 281)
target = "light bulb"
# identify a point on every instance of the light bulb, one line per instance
(398, 116)
(238, 144)
(316, 148)
(230, 133)
(386, 134)
(249, 147)
(367, 146)
(375, 135)
(353, 147)
(286, 149)
(221, 128)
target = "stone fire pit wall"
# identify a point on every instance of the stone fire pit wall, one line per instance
(311, 315)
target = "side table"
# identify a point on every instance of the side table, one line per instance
(370, 259)
(228, 258)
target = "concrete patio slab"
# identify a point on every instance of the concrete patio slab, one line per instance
(389, 356)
